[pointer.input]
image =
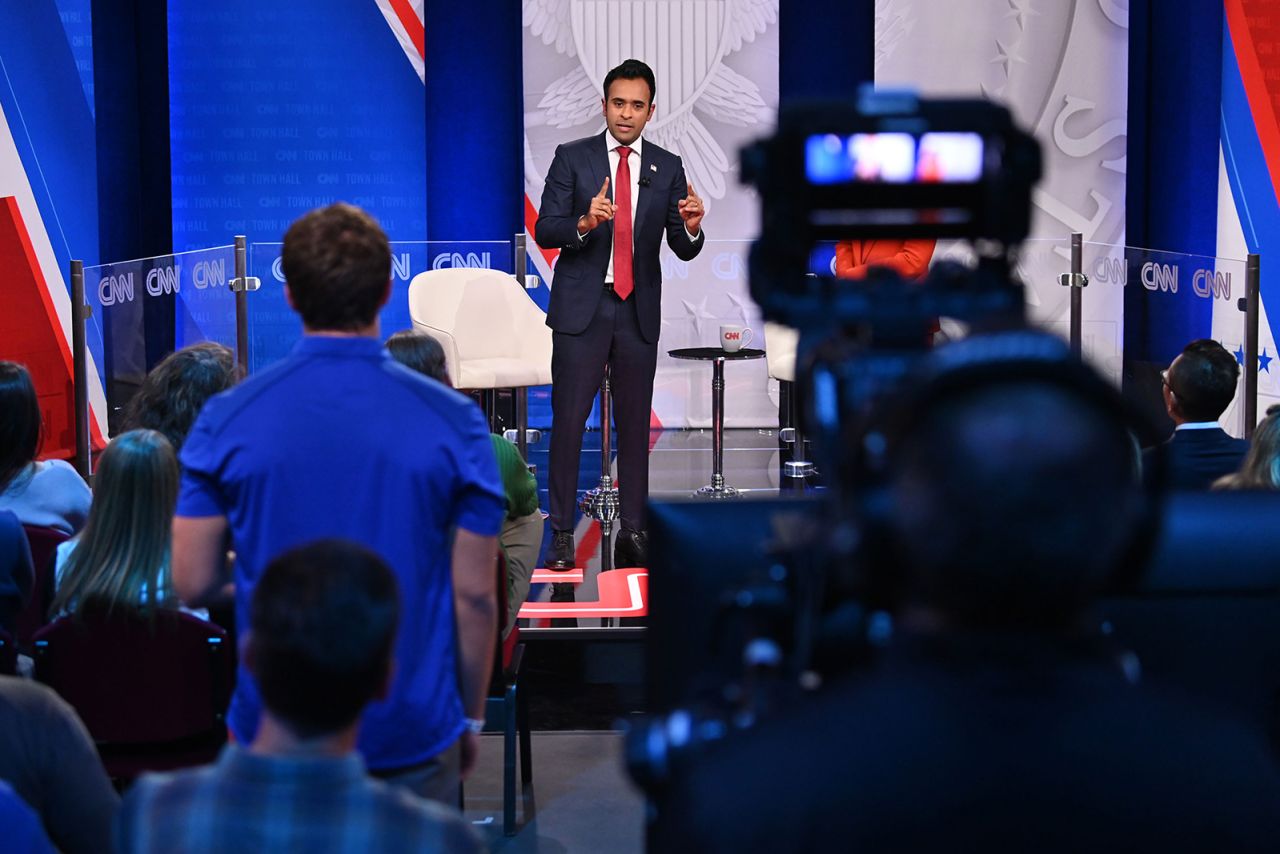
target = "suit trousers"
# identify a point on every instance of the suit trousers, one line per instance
(577, 368)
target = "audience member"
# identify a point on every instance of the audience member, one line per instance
(48, 758)
(321, 629)
(337, 439)
(121, 560)
(1198, 388)
(16, 572)
(46, 493)
(993, 720)
(175, 390)
(1261, 466)
(524, 525)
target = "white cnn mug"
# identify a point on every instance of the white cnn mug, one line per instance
(734, 338)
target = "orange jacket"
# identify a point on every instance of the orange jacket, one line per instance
(909, 257)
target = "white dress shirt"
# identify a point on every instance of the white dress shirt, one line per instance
(634, 162)
(614, 159)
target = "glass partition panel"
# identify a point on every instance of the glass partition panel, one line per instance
(274, 328)
(206, 305)
(145, 308)
(1162, 301)
(1041, 264)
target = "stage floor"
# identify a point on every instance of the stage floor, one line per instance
(680, 462)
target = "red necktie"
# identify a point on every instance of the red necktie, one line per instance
(623, 283)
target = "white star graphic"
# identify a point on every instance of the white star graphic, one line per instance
(1006, 56)
(697, 314)
(1019, 11)
(743, 302)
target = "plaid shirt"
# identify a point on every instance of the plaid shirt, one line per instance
(248, 803)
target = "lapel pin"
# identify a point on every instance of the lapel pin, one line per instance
(653, 167)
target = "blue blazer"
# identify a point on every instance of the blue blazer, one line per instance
(1194, 459)
(576, 174)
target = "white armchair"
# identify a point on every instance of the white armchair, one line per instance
(493, 335)
(780, 345)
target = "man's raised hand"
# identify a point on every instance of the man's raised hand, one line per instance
(691, 211)
(601, 210)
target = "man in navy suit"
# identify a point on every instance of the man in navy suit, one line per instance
(606, 205)
(1198, 387)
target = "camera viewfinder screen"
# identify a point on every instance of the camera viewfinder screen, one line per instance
(894, 158)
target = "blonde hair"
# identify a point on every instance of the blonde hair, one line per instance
(123, 553)
(1261, 466)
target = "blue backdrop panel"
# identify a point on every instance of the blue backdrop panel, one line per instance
(475, 128)
(44, 101)
(278, 108)
(1175, 62)
(77, 21)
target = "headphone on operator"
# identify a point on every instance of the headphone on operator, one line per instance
(952, 372)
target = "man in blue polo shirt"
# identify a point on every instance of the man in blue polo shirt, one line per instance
(339, 440)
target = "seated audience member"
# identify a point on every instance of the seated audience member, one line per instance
(339, 440)
(175, 390)
(523, 526)
(48, 758)
(16, 571)
(995, 718)
(22, 831)
(120, 561)
(1261, 466)
(1198, 388)
(321, 630)
(47, 493)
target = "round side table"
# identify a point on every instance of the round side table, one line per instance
(717, 357)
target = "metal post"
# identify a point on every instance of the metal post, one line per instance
(717, 488)
(717, 424)
(522, 422)
(1077, 291)
(80, 369)
(606, 480)
(1252, 286)
(798, 468)
(520, 256)
(1077, 281)
(601, 503)
(242, 305)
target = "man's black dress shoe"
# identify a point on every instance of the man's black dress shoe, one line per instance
(561, 554)
(631, 548)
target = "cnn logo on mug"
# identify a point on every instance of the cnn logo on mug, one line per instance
(734, 338)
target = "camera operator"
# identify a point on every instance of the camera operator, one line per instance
(994, 719)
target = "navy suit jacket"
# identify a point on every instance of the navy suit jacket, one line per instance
(577, 172)
(1194, 459)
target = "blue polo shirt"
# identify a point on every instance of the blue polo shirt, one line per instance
(339, 440)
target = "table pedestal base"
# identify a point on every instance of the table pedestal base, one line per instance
(716, 489)
(716, 492)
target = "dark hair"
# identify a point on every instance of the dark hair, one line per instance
(322, 624)
(421, 352)
(1013, 503)
(337, 266)
(124, 548)
(176, 389)
(20, 422)
(1203, 380)
(631, 69)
